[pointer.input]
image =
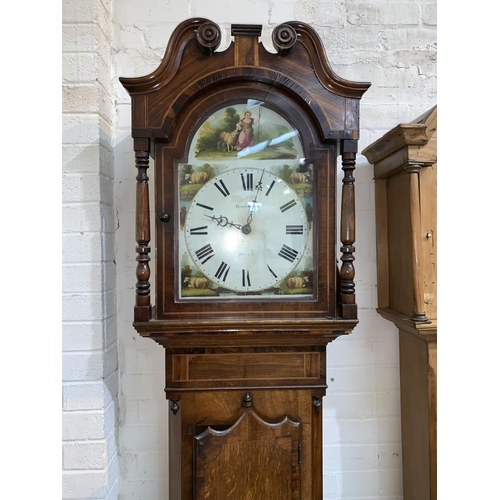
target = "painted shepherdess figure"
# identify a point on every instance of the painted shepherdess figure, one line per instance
(245, 131)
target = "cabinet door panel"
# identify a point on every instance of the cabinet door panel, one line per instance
(252, 459)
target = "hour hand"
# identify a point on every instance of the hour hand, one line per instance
(223, 221)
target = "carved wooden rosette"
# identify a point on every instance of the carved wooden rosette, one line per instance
(209, 36)
(284, 38)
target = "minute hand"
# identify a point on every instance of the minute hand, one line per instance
(258, 189)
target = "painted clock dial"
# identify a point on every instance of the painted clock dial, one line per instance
(246, 229)
(246, 204)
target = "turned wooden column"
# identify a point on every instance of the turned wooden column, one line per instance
(142, 311)
(413, 170)
(348, 230)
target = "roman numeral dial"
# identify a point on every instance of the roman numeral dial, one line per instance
(205, 253)
(288, 206)
(246, 230)
(222, 271)
(288, 253)
(294, 229)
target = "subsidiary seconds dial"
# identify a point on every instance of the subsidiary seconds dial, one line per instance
(246, 229)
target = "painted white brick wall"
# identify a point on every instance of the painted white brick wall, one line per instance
(89, 339)
(389, 43)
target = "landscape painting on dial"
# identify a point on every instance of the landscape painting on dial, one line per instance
(246, 131)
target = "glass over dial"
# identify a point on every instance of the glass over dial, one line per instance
(246, 229)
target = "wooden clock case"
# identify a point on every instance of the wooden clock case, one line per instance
(245, 379)
(405, 168)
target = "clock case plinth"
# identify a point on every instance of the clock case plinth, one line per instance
(221, 355)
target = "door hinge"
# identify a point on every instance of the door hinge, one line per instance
(299, 454)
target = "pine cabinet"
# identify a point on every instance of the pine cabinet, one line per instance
(405, 168)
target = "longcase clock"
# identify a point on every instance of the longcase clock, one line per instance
(405, 171)
(252, 276)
